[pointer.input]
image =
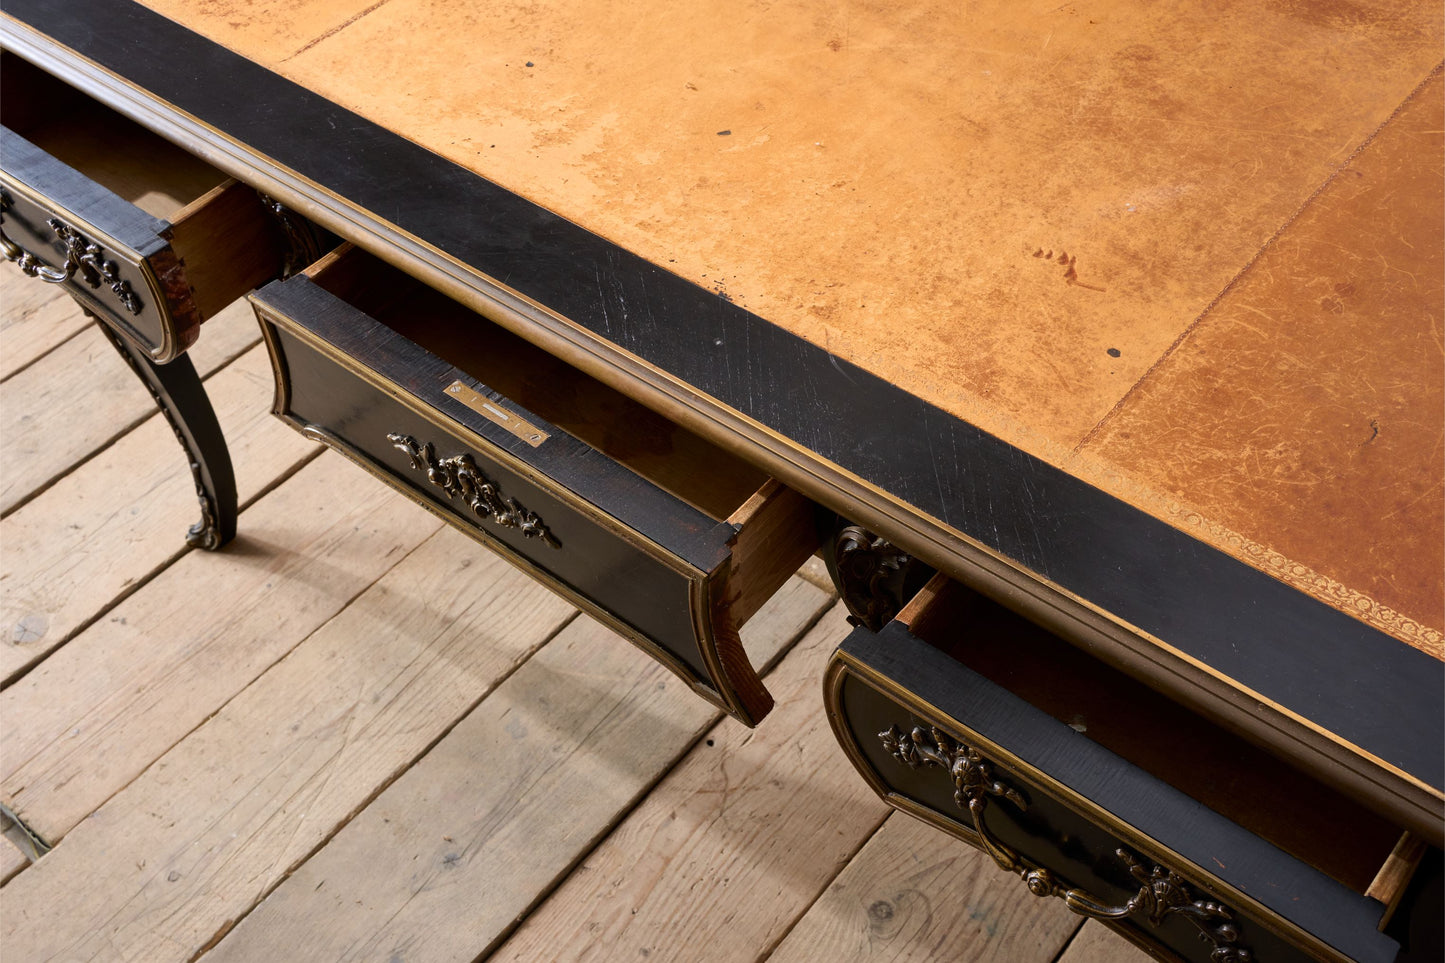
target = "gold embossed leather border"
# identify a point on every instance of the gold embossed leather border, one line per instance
(1331, 591)
(1301, 576)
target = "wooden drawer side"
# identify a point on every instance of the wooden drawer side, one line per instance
(228, 244)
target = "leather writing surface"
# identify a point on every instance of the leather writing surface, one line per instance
(1011, 211)
(878, 177)
(1306, 408)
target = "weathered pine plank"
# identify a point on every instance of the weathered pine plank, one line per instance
(1096, 943)
(35, 318)
(914, 894)
(445, 861)
(12, 860)
(816, 571)
(122, 515)
(59, 411)
(729, 849)
(18, 848)
(94, 715)
(162, 870)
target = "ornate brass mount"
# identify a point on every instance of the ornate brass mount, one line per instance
(459, 476)
(302, 244)
(1162, 892)
(80, 255)
(874, 577)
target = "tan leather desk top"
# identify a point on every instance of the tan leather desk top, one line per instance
(1190, 255)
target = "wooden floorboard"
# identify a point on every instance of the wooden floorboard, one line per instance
(45, 429)
(1096, 943)
(16, 849)
(442, 865)
(355, 734)
(35, 318)
(12, 860)
(160, 871)
(92, 717)
(116, 520)
(731, 848)
(913, 894)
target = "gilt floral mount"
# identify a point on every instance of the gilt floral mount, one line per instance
(460, 477)
(1162, 892)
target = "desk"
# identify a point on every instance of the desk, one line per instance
(1098, 311)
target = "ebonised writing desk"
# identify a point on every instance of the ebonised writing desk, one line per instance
(1127, 319)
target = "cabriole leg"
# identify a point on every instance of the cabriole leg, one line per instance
(178, 393)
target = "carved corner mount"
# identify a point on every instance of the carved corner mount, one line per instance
(460, 477)
(1162, 892)
(874, 576)
(206, 533)
(302, 244)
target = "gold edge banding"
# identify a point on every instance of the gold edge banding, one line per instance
(909, 527)
(704, 419)
(813, 468)
(1042, 782)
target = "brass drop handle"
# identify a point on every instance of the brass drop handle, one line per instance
(28, 263)
(1162, 893)
(80, 255)
(974, 782)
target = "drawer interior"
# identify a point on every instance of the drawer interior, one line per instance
(130, 161)
(671, 457)
(1222, 770)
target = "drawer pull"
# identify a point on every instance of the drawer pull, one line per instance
(460, 476)
(1162, 893)
(80, 254)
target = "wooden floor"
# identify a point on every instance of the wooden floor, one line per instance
(356, 735)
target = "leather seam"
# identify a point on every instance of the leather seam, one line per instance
(1248, 267)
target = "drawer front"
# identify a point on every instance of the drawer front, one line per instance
(60, 226)
(1078, 823)
(644, 562)
(153, 280)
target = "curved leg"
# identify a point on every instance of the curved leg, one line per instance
(178, 393)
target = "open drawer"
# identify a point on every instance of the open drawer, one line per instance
(147, 236)
(668, 539)
(1093, 788)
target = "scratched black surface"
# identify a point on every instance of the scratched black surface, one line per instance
(1374, 691)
